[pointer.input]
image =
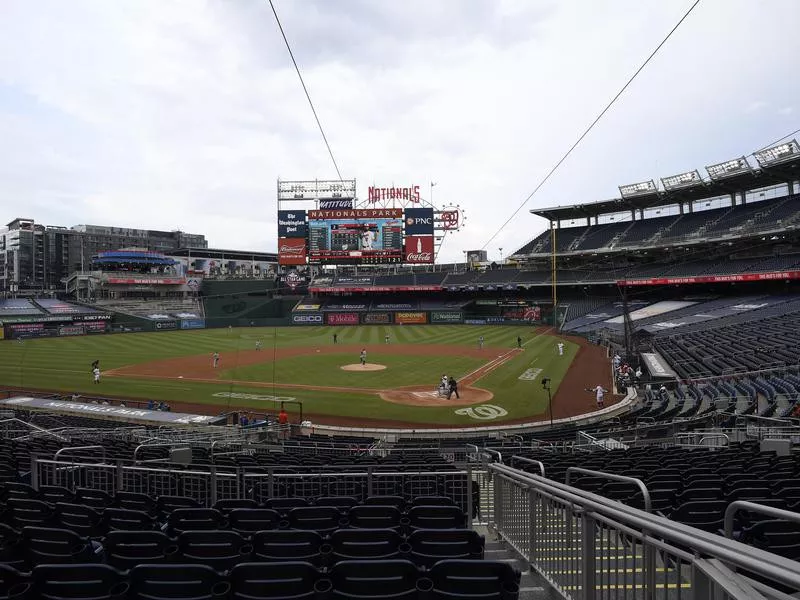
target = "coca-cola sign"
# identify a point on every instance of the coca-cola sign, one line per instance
(419, 249)
(291, 251)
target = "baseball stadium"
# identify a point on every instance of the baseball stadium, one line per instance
(610, 410)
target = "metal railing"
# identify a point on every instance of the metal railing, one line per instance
(208, 484)
(590, 547)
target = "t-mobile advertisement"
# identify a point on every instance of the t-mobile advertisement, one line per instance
(343, 319)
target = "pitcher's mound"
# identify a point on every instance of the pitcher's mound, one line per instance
(360, 367)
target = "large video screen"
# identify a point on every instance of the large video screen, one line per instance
(367, 240)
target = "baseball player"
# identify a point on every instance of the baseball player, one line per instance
(443, 385)
(96, 374)
(215, 359)
(386, 338)
(367, 238)
(363, 357)
(480, 343)
(560, 348)
(258, 344)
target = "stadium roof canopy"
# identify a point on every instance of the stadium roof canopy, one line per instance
(740, 179)
(221, 254)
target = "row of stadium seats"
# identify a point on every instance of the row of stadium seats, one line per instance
(366, 580)
(765, 215)
(223, 549)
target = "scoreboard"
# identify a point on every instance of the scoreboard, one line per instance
(355, 236)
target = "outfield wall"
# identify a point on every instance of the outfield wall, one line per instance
(311, 314)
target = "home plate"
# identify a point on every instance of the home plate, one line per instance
(180, 376)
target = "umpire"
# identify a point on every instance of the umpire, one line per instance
(452, 388)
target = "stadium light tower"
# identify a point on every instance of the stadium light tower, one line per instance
(729, 168)
(644, 188)
(778, 154)
(682, 180)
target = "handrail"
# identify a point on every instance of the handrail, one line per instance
(67, 449)
(497, 452)
(538, 463)
(769, 511)
(735, 553)
(34, 427)
(648, 505)
(692, 435)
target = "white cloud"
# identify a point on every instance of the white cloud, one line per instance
(182, 114)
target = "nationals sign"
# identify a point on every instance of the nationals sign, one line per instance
(409, 194)
(291, 251)
(419, 249)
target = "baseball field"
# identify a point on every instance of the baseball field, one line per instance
(260, 367)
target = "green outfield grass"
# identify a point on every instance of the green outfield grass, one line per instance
(63, 364)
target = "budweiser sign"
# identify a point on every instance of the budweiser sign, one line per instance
(408, 194)
(291, 251)
(419, 249)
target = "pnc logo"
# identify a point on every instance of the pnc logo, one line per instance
(419, 221)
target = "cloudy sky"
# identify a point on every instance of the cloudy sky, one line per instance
(182, 114)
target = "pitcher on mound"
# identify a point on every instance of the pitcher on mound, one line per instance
(364, 357)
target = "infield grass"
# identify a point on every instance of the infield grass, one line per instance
(63, 364)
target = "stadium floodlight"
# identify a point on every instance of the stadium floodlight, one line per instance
(729, 168)
(778, 154)
(644, 188)
(683, 180)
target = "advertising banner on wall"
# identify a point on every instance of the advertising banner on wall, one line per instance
(343, 319)
(68, 330)
(95, 327)
(292, 224)
(193, 324)
(165, 325)
(336, 204)
(419, 221)
(292, 251)
(411, 318)
(419, 249)
(446, 317)
(307, 307)
(377, 318)
(307, 318)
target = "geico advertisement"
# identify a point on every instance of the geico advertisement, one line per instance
(307, 319)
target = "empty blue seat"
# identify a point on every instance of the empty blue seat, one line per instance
(248, 521)
(323, 519)
(375, 580)
(475, 579)
(279, 581)
(46, 545)
(288, 545)
(221, 550)
(436, 517)
(126, 549)
(365, 544)
(375, 516)
(429, 546)
(194, 519)
(77, 582)
(176, 582)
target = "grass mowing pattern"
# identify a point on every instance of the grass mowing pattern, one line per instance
(64, 364)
